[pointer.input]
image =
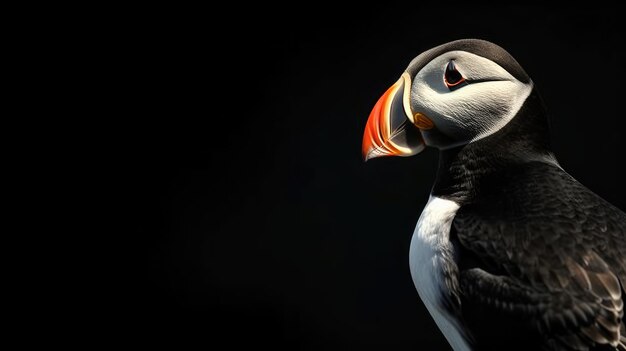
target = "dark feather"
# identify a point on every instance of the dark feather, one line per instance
(544, 241)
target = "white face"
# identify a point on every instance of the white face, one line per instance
(488, 100)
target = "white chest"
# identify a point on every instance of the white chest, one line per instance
(430, 240)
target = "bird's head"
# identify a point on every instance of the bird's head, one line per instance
(451, 95)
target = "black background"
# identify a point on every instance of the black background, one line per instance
(255, 220)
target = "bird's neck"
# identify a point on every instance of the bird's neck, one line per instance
(465, 170)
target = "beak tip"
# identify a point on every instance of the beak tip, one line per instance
(365, 151)
(373, 152)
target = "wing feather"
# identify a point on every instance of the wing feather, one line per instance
(551, 253)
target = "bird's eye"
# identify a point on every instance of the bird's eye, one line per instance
(453, 78)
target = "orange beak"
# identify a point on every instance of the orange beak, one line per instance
(389, 130)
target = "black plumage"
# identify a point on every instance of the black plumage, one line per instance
(539, 256)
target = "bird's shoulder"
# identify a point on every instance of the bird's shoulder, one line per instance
(539, 244)
(537, 211)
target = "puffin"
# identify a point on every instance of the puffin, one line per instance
(510, 252)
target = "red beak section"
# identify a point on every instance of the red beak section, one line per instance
(389, 131)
